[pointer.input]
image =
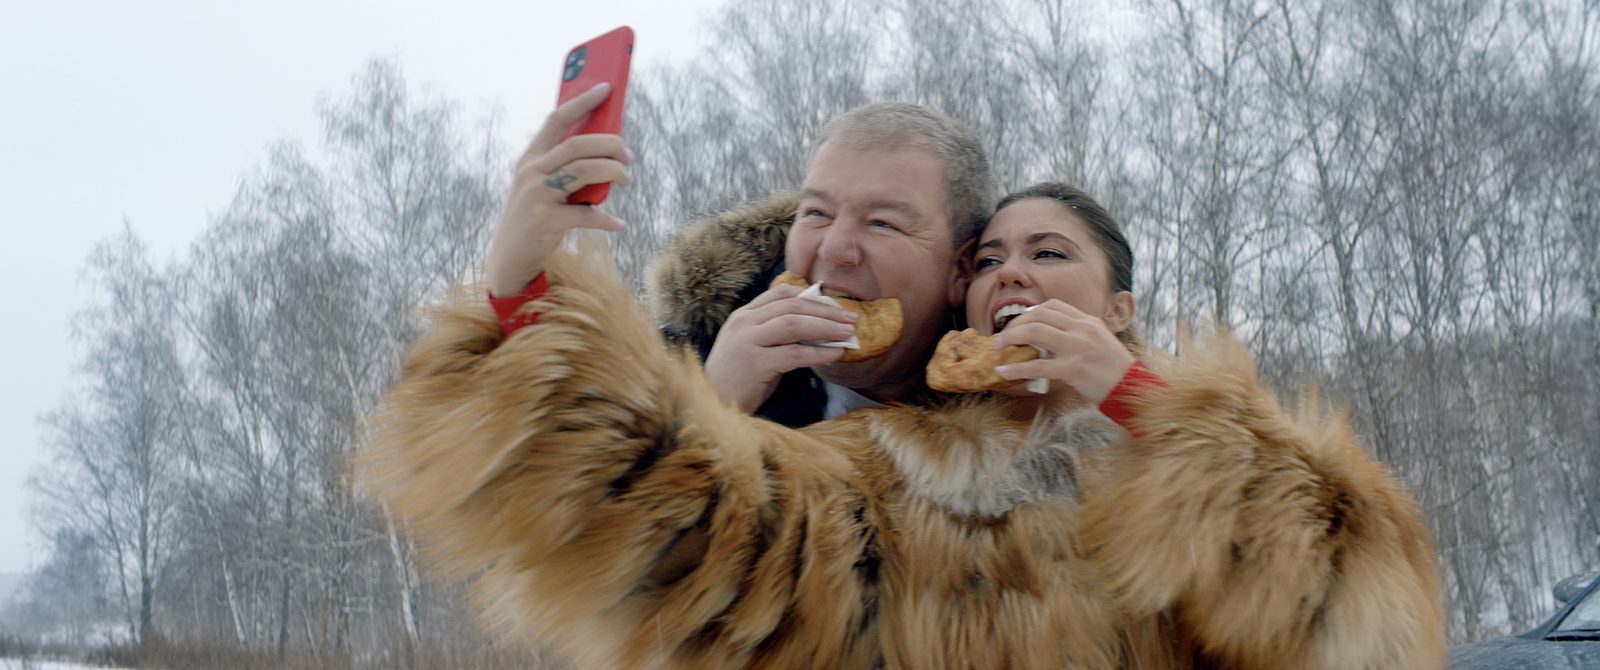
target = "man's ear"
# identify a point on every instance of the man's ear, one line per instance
(1119, 314)
(957, 296)
(960, 275)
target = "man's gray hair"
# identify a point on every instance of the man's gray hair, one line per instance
(902, 125)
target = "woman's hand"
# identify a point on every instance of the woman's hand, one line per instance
(536, 214)
(1081, 351)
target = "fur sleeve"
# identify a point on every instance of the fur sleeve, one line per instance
(599, 495)
(1271, 535)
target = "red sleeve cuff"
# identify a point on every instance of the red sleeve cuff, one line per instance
(509, 309)
(1116, 406)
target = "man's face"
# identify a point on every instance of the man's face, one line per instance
(872, 223)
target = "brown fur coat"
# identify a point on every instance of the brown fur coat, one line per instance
(606, 503)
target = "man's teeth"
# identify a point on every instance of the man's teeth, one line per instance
(1004, 315)
(837, 294)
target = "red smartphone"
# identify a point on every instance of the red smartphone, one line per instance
(606, 58)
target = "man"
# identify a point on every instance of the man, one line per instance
(891, 191)
(890, 194)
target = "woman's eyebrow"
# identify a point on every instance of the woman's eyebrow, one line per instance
(998, 243)
(1040, 237)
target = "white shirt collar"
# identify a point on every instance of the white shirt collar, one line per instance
(842, 400)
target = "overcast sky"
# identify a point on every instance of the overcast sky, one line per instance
(149, 111)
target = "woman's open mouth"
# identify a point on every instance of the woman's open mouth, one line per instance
(1006, 313)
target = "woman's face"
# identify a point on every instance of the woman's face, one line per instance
(1032, 251)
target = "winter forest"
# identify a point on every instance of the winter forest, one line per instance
(1397, 203)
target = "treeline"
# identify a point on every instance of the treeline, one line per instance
(1398, 203)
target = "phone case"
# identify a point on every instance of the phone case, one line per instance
(606, 58)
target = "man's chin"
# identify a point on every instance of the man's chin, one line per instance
(867, 374)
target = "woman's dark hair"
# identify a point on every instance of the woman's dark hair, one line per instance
(1107, 234)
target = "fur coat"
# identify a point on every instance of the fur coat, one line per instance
(718, 265)
(605, 503)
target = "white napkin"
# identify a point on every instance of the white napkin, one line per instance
(1041, 385)
(814, 294)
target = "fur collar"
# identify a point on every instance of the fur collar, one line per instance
(973, 461)
(707, 270)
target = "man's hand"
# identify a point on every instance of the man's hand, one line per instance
(536, 214)
(761, 340)
(1083, 352)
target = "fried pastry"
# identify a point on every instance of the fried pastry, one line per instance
(964, 362)
(877, 328)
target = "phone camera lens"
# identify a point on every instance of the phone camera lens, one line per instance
(575, 62)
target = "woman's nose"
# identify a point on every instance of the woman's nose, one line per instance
(1010, 273)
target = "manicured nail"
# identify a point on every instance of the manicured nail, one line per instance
(603, 84)
(1003, 370)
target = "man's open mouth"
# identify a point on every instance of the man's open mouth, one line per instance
(836, 293)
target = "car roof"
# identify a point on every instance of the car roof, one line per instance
(1539, 632)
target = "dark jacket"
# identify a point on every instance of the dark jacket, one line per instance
(719, 264)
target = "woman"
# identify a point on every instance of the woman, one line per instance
(1054, 271)
(606, 503)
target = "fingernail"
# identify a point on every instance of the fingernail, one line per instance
(603, 84)
(1003, 370)
(850, 316)
(627, 155)
(620, 222)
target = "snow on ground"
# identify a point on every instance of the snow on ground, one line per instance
(18, 664)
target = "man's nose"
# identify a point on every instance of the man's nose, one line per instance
(841, 244)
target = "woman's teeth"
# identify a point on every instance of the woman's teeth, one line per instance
(1004, 315)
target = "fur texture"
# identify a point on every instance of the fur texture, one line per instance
(604, 502)
(696, 284)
